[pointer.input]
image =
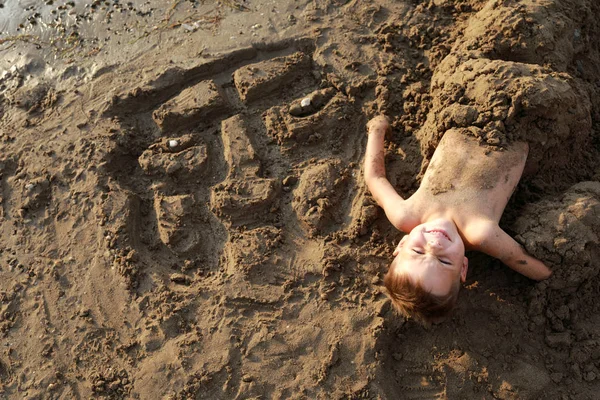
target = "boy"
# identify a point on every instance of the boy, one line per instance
(458, 206)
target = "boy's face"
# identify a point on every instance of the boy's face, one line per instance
(433, 254)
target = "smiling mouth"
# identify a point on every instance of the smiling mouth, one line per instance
(439, 232)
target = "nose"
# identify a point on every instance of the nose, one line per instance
(434, 244)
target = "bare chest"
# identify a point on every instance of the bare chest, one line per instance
(470, 179)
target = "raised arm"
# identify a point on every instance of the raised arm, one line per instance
(374, 172)
(500, 245)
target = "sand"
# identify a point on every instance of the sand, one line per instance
(183, 213)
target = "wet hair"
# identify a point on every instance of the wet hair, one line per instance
(412, 300)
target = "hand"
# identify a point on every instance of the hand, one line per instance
(379, 124)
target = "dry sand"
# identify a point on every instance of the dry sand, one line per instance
(176, 223)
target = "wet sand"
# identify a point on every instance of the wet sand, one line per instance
(183, 213)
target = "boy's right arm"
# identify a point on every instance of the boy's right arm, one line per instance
(500, 245)
(374, 172)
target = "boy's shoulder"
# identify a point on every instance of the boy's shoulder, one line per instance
(478, 232)
(406, 215)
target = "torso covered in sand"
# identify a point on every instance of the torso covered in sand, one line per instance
(467, 181)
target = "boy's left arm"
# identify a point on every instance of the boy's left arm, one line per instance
(374, 173)
(500, 245)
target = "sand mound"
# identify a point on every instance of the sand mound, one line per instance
(183, 214)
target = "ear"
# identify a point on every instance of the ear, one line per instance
(464, 269)
(404, 238)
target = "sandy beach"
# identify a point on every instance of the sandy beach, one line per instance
(183, 213)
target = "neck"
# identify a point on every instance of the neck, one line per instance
(435, 215)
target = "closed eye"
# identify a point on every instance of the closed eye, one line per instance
(445, 262)
(417, 251)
